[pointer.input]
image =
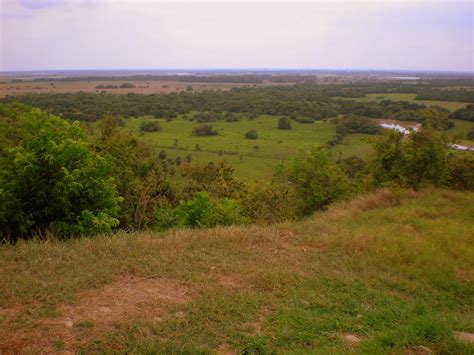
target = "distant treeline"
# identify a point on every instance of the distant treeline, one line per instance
(251, 79)
(305, 100)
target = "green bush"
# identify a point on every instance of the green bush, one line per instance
(200, 212)
(414, 162)
(252, 134)
(317, 178)
(150, 126)
(270, 203)
(284, 123)
(204, 130)
(460, 171)
(50, 179)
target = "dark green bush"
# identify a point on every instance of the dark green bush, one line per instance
(204, 130)
(150, 126)
(317, 178)
(284, 123)
(51, 180)
(252, 134)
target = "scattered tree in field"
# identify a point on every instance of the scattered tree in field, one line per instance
(150, 126)
(204, 130)
(284, 123)
(252, 134)
(189, 88)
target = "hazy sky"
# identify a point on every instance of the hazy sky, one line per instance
(357, 34)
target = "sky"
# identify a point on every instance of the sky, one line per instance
(311, 34)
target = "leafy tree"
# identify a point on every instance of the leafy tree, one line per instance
(252, 134)
(318, 179)
(284, 123)
(51, 180)
(150, 126)
(417, 161)
(204, 130)
(460, 171)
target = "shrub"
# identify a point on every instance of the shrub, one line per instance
(284, 123)
(252, 134)
(200, 212)
(271, 203)
(51, 181)
(150, 126)
(355, 124)
(127, 86)
(418, 161)
(317, 178)
(460, 171)
(204, 130)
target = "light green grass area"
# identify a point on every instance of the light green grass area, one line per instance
(252, 158)
(450, 105)
(460, 129)
(393, 269)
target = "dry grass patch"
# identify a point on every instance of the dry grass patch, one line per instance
(125, 299)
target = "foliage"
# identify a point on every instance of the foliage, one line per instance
(141, 179)
(270, 203)
(252, 134)
(200, 212)
(460, 171)
(317, 178)
(204, 130)
(466, 114)
(284, 123)
(417, 161)
(50, 179)
(357, 124)
(150, 126)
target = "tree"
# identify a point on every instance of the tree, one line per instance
(150, 126)
(417, 161)
(52, 181)
(252, 134)
(284, 123)
(204, 130)
(318, 179)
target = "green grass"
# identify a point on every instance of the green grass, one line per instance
(396, 269)
(274, 145)
(450, 105)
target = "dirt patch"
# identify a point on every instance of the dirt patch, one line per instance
(465, 337)
(96, 312)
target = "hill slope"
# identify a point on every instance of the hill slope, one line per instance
(382, 273)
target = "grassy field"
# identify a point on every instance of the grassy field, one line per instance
(450, 105)
(384, 273)
(142, 86)
(252, 158)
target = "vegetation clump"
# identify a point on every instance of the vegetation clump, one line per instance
(284, 123)
(150, 126)
(51, 181)
(204, 130)
(252, 134)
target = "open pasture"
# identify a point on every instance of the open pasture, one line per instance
(450, 105)
(252, 158)
(141, 86)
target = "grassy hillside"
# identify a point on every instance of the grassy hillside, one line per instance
(394, 271)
